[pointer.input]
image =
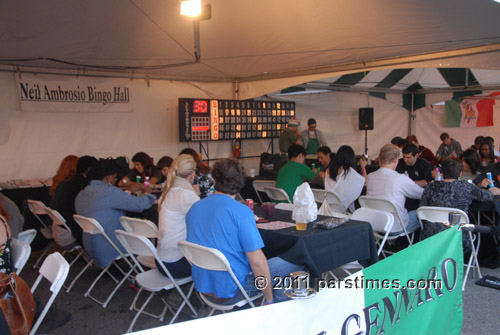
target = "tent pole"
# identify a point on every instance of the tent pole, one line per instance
(411, 122)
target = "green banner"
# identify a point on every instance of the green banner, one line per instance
(421, 289)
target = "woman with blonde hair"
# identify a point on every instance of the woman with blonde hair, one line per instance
(67, 169)
(177, 198)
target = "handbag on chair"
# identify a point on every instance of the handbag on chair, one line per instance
(17, 303)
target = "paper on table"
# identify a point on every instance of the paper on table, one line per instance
(275, 225)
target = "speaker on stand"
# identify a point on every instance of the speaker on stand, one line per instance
(366, 123)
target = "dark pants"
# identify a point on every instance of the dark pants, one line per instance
(179, 269)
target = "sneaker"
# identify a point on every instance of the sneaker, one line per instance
(203, 312)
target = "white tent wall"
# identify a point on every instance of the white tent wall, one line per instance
(336, 115)
(32, 144)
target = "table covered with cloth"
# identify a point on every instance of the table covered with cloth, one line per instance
(320, 250)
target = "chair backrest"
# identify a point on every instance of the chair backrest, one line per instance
(260, 185)
(61, 233)
(204, 257)
(140, 226)
(55, 269)
(57, 218)
(136, 244)
(92, 226)
(380, 204)
(381, 222)
(277, 194)
(37, 207)
(20, 251)
(331, 198)
(439, 214)
(89, 225)
(27, 235)
(210, 259)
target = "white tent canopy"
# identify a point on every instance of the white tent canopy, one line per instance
(248, 49)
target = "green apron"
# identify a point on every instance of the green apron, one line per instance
(312, 144)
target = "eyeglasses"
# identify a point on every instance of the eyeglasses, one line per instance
(312, 126)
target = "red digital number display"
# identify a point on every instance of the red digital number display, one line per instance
(200, 106)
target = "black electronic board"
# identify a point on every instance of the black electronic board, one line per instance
(214, 120)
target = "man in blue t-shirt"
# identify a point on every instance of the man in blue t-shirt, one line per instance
(223, 223)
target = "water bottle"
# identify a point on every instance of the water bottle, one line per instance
(490, 178)
(146, 182)
(439, 176)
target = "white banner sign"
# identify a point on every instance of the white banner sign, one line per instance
(52, 93)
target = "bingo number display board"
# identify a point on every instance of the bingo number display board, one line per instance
(213, 120)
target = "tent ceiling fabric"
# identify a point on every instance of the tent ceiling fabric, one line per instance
(403, 81)
(247, 41)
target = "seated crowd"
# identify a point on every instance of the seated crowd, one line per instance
(191, 190)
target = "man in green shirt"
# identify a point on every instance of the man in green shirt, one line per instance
(293, 173)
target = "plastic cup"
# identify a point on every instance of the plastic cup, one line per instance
(299, 283)
(252, 173)
(301, 220)
(268, 210)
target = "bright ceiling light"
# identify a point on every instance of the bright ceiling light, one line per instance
(191, 8)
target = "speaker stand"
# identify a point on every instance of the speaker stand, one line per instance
(366, 142)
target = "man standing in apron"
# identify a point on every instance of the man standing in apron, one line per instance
(312, 138)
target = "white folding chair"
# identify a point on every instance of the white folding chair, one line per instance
(145, 228)
(214, 260)
(38, 208)
(27, 235)
(65, 240)
(152, 280)
(277, 194)
(440, 214)
(260, 185)
(92, 226)
(388, 206)
(381, 222)
(55, 269)
(20, 252)
(331, 198)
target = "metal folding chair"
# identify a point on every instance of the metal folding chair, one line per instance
(38, 208)
(214, 260)
(152, 280)
(440, 214)
(55, 269)
(92, 226)
(260, 185)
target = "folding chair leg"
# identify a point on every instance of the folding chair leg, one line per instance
(47, 248)
(156, 316)
(129, 330)
(79, 275)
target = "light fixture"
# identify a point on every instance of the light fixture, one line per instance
(191, 8)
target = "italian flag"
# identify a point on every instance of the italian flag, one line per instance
(474, 112)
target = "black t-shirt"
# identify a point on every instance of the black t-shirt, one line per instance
(420, 170)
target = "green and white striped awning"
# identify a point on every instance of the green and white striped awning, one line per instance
(413, 84)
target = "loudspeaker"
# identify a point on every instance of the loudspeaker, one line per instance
(366, 118)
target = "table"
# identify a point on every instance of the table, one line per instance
(19, 195)
(319, 249)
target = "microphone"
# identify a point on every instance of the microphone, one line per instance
(490, 230)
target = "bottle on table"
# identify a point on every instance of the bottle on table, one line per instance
(490, 179)
(439, 175)
(146, 182)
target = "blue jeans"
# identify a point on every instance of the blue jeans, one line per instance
(412, 225)
(277, 267)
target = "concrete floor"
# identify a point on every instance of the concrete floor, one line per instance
(481, 311)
